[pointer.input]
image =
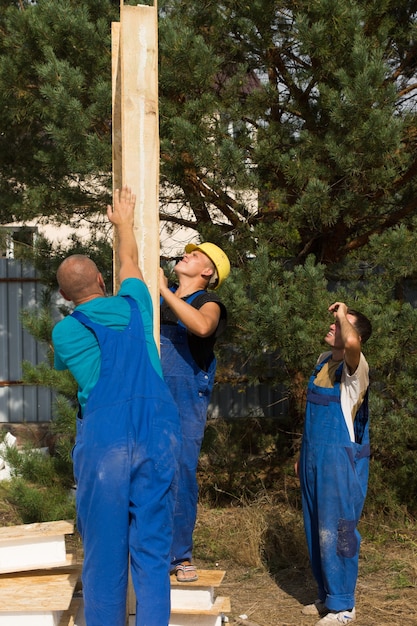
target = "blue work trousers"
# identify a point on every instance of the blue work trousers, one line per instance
(334, 477)
(191, 389)
(125, 459)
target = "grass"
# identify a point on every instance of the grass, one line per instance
(261, 545)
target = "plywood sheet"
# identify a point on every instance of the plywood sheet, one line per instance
(36, 593)
(220, 605)
(36, 531)
(206, 578)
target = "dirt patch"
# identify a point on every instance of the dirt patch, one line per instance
(269, 601)
(387, 584)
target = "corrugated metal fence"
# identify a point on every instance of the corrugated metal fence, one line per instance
(19, 289)
(234, 401)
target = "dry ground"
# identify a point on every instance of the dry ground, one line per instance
(261, 547)
(386, 590)
(277, 602)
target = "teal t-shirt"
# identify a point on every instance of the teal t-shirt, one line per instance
(76, 348)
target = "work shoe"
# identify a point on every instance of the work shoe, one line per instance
(343, 617)
(316, 608)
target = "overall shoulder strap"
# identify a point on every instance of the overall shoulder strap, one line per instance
(94, 328)
(338, 373)
(319, 366)
(82, 318)
(195, 295)
(190, 300)
(132, 303)
(173, 289)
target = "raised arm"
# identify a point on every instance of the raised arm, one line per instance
(201, 322)
(121, 215)
(350, 338)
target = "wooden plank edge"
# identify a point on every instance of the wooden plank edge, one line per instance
(38, 594)
(27, 532)
(69, 616)
(206, 578)
(220, 605)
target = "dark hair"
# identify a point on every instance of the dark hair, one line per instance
(362, 325)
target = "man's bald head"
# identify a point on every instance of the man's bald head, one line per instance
(79, 279)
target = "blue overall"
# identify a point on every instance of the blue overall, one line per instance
(191, 388)
(125, 457)
(334, 478)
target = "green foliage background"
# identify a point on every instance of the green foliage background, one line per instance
(309, 108)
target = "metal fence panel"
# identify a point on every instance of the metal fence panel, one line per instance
(19, 289)
(261, 400)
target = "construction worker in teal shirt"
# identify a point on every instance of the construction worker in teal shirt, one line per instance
(128, 434)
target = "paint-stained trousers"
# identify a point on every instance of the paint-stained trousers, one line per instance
(333, 477)
(125, 459)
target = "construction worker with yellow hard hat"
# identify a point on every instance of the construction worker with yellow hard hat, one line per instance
(192, 317)
(217, 256)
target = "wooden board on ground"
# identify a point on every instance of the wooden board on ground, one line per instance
(34, 546)
(206, 578)
(37, 592)
(197, 595)
(38, 530)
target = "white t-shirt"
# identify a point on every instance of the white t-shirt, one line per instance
(352, 386)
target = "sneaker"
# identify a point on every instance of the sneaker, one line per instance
(343, 617)
(316, 608)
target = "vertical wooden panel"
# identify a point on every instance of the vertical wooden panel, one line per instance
(116, 107)
(135, 81)
(116, 132)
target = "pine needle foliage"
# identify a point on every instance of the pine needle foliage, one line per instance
(288, 137)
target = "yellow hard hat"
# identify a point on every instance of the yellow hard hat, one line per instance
(217, 256)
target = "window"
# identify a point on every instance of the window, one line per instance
(14, 238)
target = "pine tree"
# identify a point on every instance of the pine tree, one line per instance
(312, 106)
(55, 108)
(309, 107)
